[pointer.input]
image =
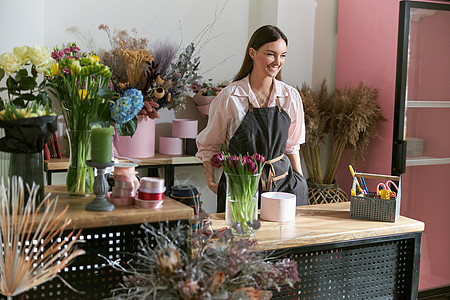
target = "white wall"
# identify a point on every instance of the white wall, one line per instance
(310, 26)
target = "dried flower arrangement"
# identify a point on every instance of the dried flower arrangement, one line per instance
(25, 264)
(176, 263)
(163, 79)
(350, 116)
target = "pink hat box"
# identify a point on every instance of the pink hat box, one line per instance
(148, 203)
(184, 128)
(170, 145)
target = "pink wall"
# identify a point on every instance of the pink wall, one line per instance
(367, 51)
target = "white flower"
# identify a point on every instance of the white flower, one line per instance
(23, 53)
(10, 62)
(39, 55)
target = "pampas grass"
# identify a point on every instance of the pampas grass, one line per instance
(34, 248)
(318, 108)
(350, 116)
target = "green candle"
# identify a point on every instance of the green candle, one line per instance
(101, 144)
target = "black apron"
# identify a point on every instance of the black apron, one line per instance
(265, 131)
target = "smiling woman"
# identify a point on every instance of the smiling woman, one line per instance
(258, 113)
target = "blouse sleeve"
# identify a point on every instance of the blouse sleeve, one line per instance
(209, 141)
(297, 127)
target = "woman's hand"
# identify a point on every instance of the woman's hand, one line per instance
(213, 186)
(209, 170)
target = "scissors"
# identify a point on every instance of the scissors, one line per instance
(384, 191)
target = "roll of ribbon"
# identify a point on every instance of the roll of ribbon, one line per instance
(170, 145)
(184, 190)
(184, 128)
(152, 183)
(123, 192)
(124, 185)
(153, 191)
(150, 196)
(148, 203)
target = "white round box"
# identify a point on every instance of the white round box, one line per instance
(278, 206)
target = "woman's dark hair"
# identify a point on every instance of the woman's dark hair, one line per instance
(262, 35)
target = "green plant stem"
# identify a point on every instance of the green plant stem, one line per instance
(242, 200)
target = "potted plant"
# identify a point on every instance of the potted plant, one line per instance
(350, 117)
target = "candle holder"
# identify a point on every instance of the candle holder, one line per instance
(101, 188)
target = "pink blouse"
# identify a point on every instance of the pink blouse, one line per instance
(230, 106)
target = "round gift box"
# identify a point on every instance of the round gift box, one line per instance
(185, 128)
(278, 206)
(170, 145)
(148, 203)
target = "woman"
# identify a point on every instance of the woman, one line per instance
(258, 113)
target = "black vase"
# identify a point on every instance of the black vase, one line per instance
(29, 166)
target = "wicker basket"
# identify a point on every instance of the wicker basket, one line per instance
(325, 193)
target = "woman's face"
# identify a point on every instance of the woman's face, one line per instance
(269, 58)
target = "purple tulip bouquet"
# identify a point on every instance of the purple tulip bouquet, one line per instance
(243, 173)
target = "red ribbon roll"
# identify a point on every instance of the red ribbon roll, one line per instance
(150, 196)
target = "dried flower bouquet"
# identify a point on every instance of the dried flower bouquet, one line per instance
(350, 116)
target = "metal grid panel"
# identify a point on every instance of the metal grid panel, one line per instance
(90, 273)
(381, 270)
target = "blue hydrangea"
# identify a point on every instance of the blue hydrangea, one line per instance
(127, 107)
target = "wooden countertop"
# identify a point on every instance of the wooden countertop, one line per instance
(159, 159)
(323, 223)
(122, 215)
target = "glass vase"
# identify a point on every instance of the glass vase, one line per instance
(241, 208)
(80, 177)
(29, 166)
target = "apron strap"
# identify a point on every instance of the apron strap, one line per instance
(270, 178)
(278, 104)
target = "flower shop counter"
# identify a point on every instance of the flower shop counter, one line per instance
(123, 215)
(339, 255)
(106, 235)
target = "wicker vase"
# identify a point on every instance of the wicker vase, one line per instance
(325, 193)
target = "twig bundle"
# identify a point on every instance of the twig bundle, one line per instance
(33, 249)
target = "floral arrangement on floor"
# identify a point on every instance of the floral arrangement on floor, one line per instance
(350, 116)
(163, 78)
(243, 173)
(26, 265)
(176, 263)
